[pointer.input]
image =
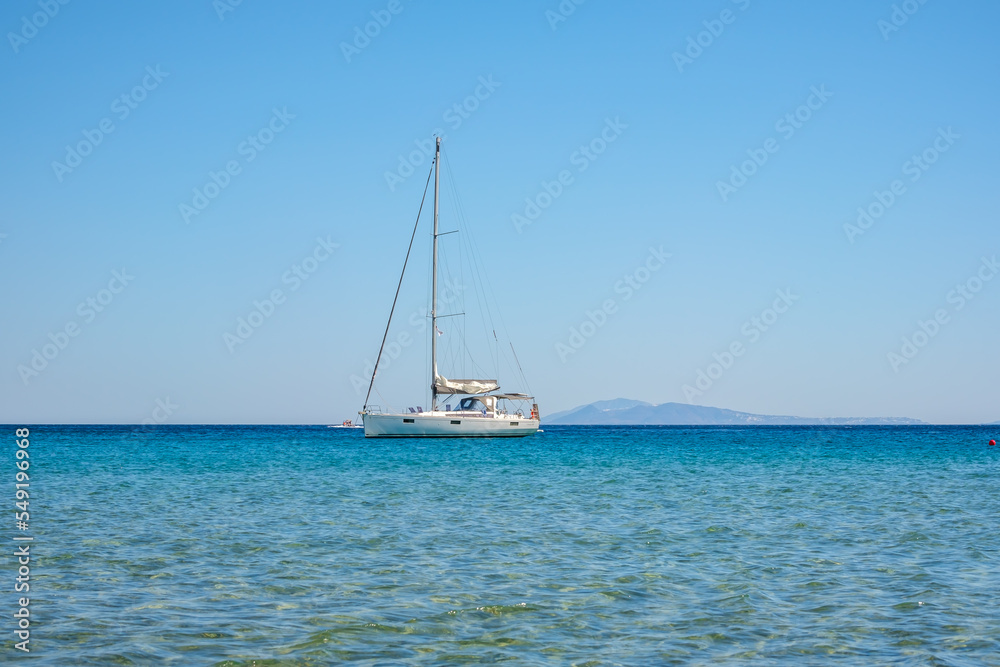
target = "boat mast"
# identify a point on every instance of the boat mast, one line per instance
(434, 279)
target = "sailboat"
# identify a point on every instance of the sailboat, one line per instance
(474, 407)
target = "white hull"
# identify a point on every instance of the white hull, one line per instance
(444, 425)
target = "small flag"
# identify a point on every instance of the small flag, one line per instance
(440, 333)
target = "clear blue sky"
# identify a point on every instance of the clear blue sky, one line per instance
(216, 77)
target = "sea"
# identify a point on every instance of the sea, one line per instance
(308, 545)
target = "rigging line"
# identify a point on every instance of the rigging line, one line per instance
(475, 265)
(476, 278)
(519, 366)
(478, 283)
(485, 284)
(462, 224)
(461, 324)
(451, 343)
(485, 288)
(428, 317)
(398, 286)
(488, 286)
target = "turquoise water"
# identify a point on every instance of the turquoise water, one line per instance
(581, 545)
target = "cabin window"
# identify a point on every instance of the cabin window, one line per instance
(472, 404)
(407, 421)
(513, 423)
(456, 421)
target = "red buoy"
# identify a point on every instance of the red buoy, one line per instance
(993, 443)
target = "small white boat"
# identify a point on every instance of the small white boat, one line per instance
(484, 411)
(347, 424)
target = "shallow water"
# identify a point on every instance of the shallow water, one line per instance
(581, 545)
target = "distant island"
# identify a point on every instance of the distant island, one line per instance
(623, 411)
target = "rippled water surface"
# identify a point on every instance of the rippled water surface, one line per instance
(581, 545)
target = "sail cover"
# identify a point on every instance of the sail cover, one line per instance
(445, 386)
